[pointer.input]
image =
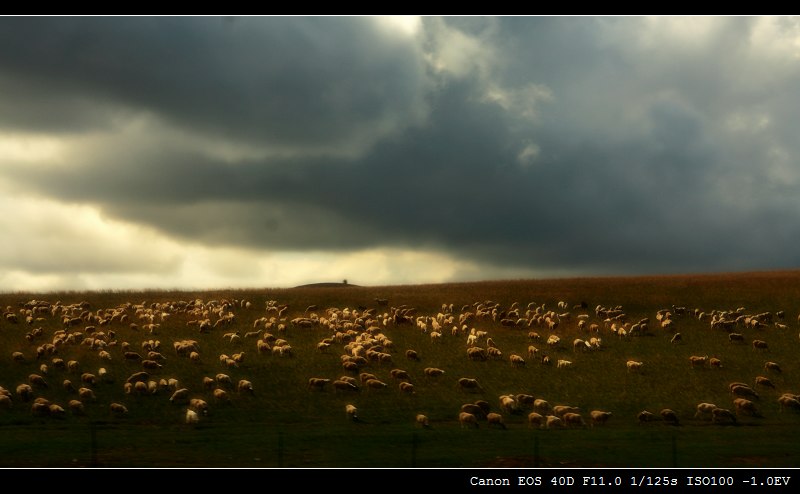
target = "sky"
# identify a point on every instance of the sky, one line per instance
(238, 152)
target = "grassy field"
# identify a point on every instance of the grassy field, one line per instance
(284, 424)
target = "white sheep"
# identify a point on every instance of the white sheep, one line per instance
(634, 366)
(180, 396)
(468, 384)
(245, 386)
(118, 409)
(495, 419)
(220, 395)
(669, 416)
(552, 421)
(199, 405)
(86, 394)
(697, 361)
(433, 372)
(573, 419)
(508, 403)
(721, 414)
(192, 417)
(563, 364)
(772, 366)
(536, 419)
(745, 406)
(76, 406)
(466, 419)
(317, 383)
(599, 417)
(422, 420)
(704, 409)
(407, 387)
(351, 411)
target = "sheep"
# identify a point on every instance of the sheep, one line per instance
(220, 395)
(422, 420)
(787, 400)
(525, 399)
(760, 345)
(466, 419)
(375, 384)
(399, 374)
(516, 360)
(86, 394)
(132, 356)
(245, 386)
(508, 404)
(366, 376)
(468, 384)
(412, 355)
(180, 396)
(720, 414)
(18, 357)
(223, 379)
(73, 366)
(199, 405)
(715, 363)
(560, 410)
(704, 409)
(433, 372)
(37, 380)
(352, 412)
(599, 417)
(532, 351)
(76, 406)
(407, 387)
(535, 419)
(736, 337)
(645, 416)
(138, 376)
(697, 361)
(192, 417)
(140, 387)
(68, 386)
(772, 366)
(745, 406)
(495, 419)
(744, 392)
(317, 383)
(634, 366)
(477, 353)
(669, 416)
(151, 364)
(340, 385)
(563, 364)
(474, 409)
(764, 381)
(5, 401)
(118, 409)
(541, 406)
(573, 419)
(552, 421)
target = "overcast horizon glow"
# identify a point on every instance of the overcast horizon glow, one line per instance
(210, 152)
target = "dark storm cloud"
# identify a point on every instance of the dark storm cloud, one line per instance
(634, 171)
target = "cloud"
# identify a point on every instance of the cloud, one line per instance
(432, 148)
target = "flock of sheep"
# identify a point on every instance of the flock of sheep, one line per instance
(53, 339)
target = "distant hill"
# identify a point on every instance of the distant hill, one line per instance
(325, 285)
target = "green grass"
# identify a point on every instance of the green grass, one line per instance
(287, 425)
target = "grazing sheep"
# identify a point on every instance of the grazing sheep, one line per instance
(399, 374)
(669, 416)
(86, 394)
(18, 357)
(138, 376)
(719, 415)
(634, 366)
(407, 387)
(37, 380)
(477, 354)
(536, 419)
(542, 406)
(465, 419)
(599, 417)
(422, 420)
(5, 401)
(745, 406)
(433, 372)
(140, 387)
(645, 416)
(352, 412)
(412, 355)
(573, 419)
(73, 366)
(68, 386)
(563, 364)
(715, 363)
(376, 384)
(317, 383)
(220, 395)
(525, 399)
(760, 345)
(697, 361)
(772, 366)
(474, 410)
(151, 364)
(552, 422)
(704, 409)
(744, 392)
(192, 417)
(118, 409)
(560, 410)
(508, 404)
(736, 337)
(532, 351)
(76, 407)
(340, 385)
(180, 397)
(245, 386)
(787, 400)
(467, 384)
(199, 405)
(516, 360)
(764, 381)
(495, 419)
(223, 379)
